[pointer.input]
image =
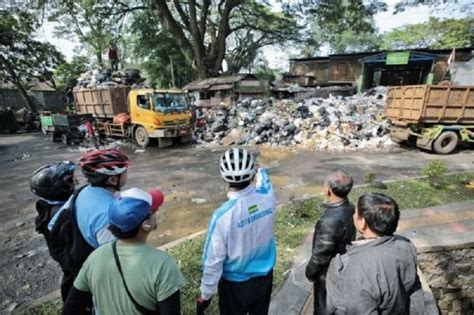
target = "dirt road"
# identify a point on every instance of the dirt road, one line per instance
(189, 177)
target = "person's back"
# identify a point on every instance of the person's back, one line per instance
(333, 232)
(246, 222)
(378, 273)
(382, 270)
(106, 172)
(128, 276)
(239, 253)
(54, 184)
(149, 273)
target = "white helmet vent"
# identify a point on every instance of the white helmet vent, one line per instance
(237, 166)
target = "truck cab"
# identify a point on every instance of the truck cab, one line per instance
(162, 114)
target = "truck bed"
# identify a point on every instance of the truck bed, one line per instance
(103, 102)
(439, 104)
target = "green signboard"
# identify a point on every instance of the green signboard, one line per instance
(397, 58)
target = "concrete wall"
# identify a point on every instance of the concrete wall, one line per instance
(450, 275)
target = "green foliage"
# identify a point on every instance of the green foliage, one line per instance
(345, 26)
(369, 177)
(28, 58)
(67, 73)
(95, 23)
(434, 34)
(156, 52)
(434, 171)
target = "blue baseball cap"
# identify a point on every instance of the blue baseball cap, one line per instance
(133, 206)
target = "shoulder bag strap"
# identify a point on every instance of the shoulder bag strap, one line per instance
(139, 307)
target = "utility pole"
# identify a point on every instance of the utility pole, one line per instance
(172, 72)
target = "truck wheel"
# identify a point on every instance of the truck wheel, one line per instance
(141, 136)
(446, 142)
(64, 138)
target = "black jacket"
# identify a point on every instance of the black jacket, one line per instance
(334, 230)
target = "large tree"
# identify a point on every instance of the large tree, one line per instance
(22, 58)
(340, 25)
(208, 31)
(434, 34)
(95, 23)
(153, 50)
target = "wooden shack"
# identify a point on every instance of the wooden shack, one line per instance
(368, 69)
(226, 89)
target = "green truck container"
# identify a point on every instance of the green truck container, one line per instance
(435, 117)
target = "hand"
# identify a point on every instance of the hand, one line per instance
(202, 305)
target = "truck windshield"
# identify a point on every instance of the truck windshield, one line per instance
(167, 103)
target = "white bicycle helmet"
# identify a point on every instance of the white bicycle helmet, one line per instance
(237, 166)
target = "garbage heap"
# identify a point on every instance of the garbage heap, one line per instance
(332, 124)
(107, 78)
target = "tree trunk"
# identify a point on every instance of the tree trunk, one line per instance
(98, 55)
(16, 81)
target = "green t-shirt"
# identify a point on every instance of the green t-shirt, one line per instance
(151, 276)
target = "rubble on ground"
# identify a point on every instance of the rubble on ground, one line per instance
(332, 124)
(107, 78)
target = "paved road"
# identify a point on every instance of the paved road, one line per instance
(189, 177)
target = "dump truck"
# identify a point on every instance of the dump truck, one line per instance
(435, 117)
(140, 114)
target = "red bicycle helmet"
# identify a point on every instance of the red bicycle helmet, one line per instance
(98, 165)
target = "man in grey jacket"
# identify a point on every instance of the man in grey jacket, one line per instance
(378, 273)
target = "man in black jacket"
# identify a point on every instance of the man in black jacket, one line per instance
(334, 230)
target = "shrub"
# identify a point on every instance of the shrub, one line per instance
(434, 171)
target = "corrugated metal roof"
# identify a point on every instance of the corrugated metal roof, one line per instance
(207, 83)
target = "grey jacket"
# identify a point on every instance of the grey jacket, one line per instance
(375, 277)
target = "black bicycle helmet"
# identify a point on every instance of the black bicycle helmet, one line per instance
(54, 181)
(98, 165)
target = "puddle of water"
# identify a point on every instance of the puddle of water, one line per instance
(270, 156)
(181, 217)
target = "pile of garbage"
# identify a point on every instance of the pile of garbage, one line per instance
(332, 124)
(107, 78)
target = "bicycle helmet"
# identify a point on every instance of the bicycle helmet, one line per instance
(54, 181)
(98, 165)
(237, 166)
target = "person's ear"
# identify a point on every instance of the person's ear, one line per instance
(112, 180)
(146, 225)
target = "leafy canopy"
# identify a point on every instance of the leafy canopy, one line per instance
(434, 34)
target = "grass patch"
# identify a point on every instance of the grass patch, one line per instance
(295, 220)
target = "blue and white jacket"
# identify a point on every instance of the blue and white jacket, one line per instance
(240, 243)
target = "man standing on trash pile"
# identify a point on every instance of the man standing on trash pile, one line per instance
(239, 253)
(106, 172)
(332, 233)
(378, 273)
(128, 276)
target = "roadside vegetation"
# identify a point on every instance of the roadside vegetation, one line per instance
(295, 220)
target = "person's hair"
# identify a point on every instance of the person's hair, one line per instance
(240, 186)
(340, 183)
(381, 213)
(123, 235)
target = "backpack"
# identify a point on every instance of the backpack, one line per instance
(67, 245)
(46, 212)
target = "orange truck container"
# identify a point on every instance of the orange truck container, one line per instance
(436, 117)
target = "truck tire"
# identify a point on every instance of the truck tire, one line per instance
(446, 142)
(141, 136)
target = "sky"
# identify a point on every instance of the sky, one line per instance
(278, 57)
